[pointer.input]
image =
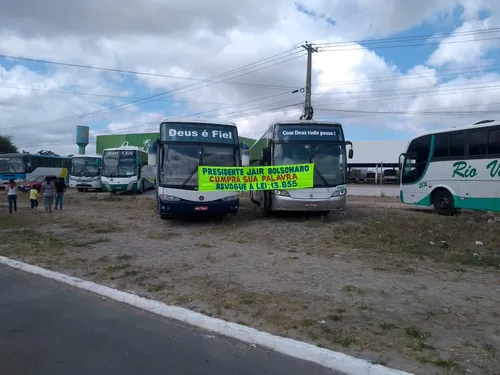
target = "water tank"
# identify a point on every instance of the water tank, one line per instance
(82, 138)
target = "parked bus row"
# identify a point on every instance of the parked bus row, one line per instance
(450, 169)
(186, 144)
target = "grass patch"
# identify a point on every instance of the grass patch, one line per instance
(94, 241)
(162, 235)
(425, 235)
(29, 242)
(117, 267)
(440, 362)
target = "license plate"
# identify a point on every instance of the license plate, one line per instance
(201, 208)
(310, 204)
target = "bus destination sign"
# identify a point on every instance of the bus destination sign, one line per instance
(197, 133)
(291, 133)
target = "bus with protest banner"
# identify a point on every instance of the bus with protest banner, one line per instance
(184, 146)
(320, 144)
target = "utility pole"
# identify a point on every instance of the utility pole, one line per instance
(308, 109)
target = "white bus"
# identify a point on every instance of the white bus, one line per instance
(456, 168)
(185, 144)
(85, 172)
(125, 169)
(299, 142)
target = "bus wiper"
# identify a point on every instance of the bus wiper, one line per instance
(189, 177)
(320, 175)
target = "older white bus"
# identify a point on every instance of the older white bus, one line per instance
(298, 142)
(185, 144)
(455, 168)
(85, 172)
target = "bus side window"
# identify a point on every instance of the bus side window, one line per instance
(478, 142)
(457, 144)
(441, 145)
(494, 142)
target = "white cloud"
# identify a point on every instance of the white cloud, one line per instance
(453, 51)
(199, 41)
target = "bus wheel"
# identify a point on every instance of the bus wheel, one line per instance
(142, 187)
(443, 202)
(80, 190)
(164, 216)
(266, 204)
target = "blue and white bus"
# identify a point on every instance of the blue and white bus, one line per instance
(22, 166)
(184, 144)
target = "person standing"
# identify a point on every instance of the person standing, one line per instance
(33, 198)
(47, 192)
(60, 189)
(11, 192)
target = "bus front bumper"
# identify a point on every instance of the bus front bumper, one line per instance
(182, 207)
(112, 187)
(281, 203)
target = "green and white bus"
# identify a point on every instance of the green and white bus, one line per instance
(456, 168)
(126, 169)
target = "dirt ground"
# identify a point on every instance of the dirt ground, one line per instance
(401, 287)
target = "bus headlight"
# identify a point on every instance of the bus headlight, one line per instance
(283, 193)
(339, 193)
(170, 198)
(231, 198)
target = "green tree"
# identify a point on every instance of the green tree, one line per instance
(7, 146)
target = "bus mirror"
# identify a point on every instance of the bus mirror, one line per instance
(400, 161)
(351, 153)
(137, 161)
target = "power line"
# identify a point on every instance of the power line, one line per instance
(412, 37)
(442, 73)
(155, 97)
(123, 71)
(340, 49)
(271, 111)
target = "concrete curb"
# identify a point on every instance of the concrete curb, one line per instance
(324, 357)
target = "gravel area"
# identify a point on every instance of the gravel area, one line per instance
(401, 287)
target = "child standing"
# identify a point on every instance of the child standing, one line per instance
(33, 199)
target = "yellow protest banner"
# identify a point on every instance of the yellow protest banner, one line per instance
(279, 177)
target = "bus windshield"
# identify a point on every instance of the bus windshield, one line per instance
(179, 164)
(119, 163)
(328, 159)
(85, 167)
(11, 165)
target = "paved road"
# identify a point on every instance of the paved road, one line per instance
(47, 328)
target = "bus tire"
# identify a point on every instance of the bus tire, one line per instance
(267, 204)
(80, 190)
(142, 187)
(443, 203)
(164, 216)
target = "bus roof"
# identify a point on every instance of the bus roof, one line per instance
(124, 148)
(87, 156)
(19, 154)
(198, 120)
(306, 122)
(477, 125)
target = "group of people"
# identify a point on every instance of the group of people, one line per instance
(50, 188)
